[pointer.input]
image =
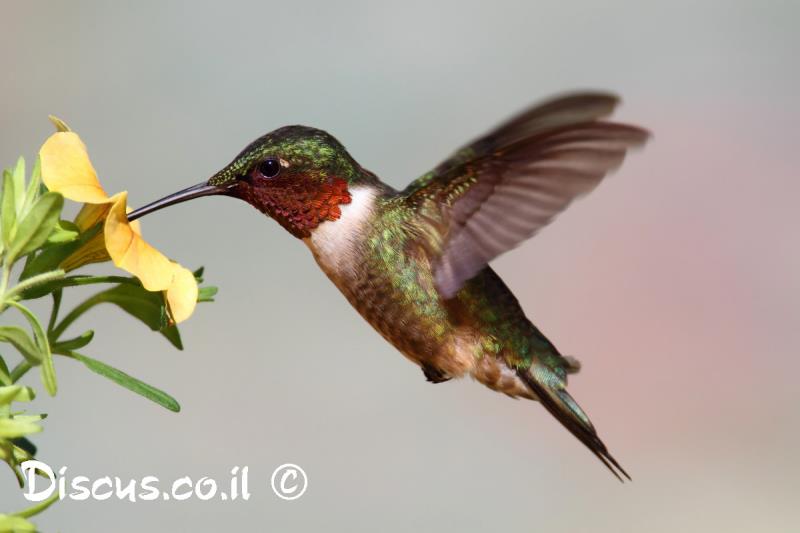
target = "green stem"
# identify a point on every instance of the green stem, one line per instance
(38, 508)
(73, 315)
(57, 294)
(32, 282)
(72, 281)
(20, 370)
(5, 379)
(4, 279)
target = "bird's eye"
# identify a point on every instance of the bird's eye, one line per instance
(269, 168)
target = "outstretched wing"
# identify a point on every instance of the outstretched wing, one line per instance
(501, 189)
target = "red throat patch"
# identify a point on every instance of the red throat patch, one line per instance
(328, 199)
(300, 205)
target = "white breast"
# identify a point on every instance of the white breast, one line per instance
(334, 243)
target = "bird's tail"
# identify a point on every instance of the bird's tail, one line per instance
(550, 389)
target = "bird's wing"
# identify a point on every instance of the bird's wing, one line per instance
(502, 188)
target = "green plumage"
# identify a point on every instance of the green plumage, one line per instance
(397, 274)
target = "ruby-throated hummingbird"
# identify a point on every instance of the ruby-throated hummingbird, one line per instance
(415, 263)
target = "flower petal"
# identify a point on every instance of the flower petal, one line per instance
(93, 251)
(130, 252)
(91, 214)
(66, 169)
(182, 294)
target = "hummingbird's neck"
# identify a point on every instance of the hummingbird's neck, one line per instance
(336, 244)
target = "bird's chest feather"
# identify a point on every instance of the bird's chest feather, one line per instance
(369, 256)
(338, 246)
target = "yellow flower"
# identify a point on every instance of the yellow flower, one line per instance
(66, 169)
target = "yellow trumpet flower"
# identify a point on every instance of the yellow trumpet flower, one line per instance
(66, 169)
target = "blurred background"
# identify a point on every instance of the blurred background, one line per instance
(676, 282)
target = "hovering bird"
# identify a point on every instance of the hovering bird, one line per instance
(415, 263)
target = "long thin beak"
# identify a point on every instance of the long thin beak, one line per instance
(196, 191)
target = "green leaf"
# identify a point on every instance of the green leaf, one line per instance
(49, 374)
(29, 418)
(34, 229)
(145, 305)
(11, 428)
(64, 231)
(48, 259)
(48, 370)
(16, 451)
(15, 524)
(129, 382)
(16, 393)
(20, 339)
(19, 185)
(25, 445)
(74, 344)
(206, 294)
(8, 212)
(51, 256)
(6, 172)
(32, 193)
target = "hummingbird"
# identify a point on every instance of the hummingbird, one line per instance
(414, 263)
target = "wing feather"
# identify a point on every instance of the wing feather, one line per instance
(505, 186)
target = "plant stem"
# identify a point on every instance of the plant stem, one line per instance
(20, 370)
(72, 281)
(4, 279)
(38, 508)
(73, 315)
(5, 379)
(57, 294)
(32, 282)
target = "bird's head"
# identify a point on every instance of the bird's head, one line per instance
(297, 175)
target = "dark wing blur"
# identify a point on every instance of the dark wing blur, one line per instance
(496, 192)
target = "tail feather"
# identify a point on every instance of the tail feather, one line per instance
(550, 391)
